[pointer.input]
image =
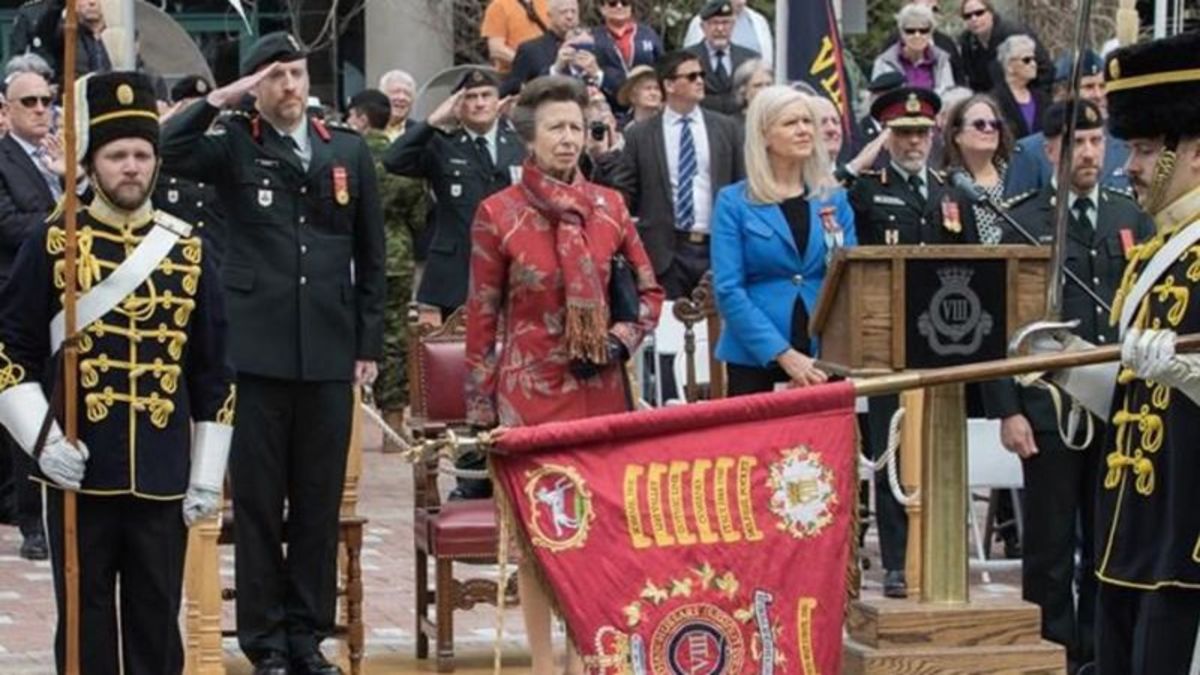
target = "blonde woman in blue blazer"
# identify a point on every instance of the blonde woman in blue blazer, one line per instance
(772, 236)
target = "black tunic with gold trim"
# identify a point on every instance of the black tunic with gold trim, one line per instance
(1148, 520)
(147, 368)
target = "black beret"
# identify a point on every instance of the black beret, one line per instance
(272, 47)
(886, 82)
(120, 104)
(907, 107)
(716, 8)
(1153, 88)
(190, 86)
(368, 97)
(476, 77)
(1087, 116)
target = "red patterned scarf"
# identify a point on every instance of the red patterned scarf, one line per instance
(568, 207)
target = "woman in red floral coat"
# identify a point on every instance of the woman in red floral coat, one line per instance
(540, 344)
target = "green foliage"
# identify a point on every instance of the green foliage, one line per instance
(881, 24)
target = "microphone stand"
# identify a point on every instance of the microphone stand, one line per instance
(982, 197)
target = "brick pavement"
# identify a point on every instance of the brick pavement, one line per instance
(27, 613)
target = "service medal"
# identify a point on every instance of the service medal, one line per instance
(341, 186)
(827, 220)
(950, 216)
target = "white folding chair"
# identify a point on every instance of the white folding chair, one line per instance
(990, 467)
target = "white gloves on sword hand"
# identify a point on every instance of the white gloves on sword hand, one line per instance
(22, 411)
(210, 453)
(1150, 354)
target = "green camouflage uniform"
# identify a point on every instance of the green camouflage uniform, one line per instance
(403, 202)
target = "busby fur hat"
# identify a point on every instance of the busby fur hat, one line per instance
(1153, 88)
(109, 106)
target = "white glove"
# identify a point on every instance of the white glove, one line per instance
(1150, 354)
(62, 463)
(200, 503)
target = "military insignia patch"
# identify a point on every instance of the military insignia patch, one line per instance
(1114, 70)
(125, 94)
(700, 639)
(173, 196)
(955, 323)
(802, 493)
(913, 104)
(266, 198)
(455, 189)
(561, 510)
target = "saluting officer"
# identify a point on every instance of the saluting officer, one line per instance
(193, 201)
(304, 282)
(1060, 445)
(906, 202)
(155, 399)
(466, 152)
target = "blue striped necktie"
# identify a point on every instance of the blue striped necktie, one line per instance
(685, 208)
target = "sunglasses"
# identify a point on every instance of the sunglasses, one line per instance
(967, 16)
(31, 101)
(618, 3)
(690, 77)
(918, 31)
(1026, 59)
(984, 126)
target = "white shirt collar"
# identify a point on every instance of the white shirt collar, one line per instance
(29, 148)
(1093, 194)
(299, 134)
(490, 135)
(672, 118)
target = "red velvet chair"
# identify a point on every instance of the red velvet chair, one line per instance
(460, 531)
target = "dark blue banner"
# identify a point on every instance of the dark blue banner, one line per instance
(811, 50)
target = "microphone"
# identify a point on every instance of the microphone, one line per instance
(963, 181)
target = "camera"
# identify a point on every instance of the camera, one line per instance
(598, 130)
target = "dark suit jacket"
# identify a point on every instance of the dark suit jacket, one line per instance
(718, 92)
(647, 47)
(979, 60)
(1095, 255)
(450, 163)
(533, 59)
(91, 55)
(641, 175)
(25, 201)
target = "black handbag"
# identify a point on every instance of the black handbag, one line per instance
(623, 300)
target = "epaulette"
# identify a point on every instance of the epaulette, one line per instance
(939, 175)
(1018, 198)
(341, 126)
(1127, 193)
(234, 113)
(27, 3)
(873, 173)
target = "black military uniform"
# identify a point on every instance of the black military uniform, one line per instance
(1060, 481)
(1148, 513)
(23, 36)
(151, 369)
(460, 174)
(194, 201)
(892, 207)
(304, 282)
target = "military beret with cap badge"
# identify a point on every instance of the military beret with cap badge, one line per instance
(190, 86)
(115, 105)
(1092, 65)
(907, 108)
(1087, 116)
(476, 77)
(1153, 88)
(716, 8)
(278, 46)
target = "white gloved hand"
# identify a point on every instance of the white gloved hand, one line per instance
(1150, 354)
(200, 503)
(62, 463)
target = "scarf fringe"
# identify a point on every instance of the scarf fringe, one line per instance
(587, 332)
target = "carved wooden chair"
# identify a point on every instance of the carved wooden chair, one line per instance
(204, 591)
(701, 308)
(447, 532)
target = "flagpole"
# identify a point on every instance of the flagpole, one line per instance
(70, 353)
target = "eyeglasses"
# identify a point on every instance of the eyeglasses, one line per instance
(1026, 59)
(918, 31)
(690, 77)
(31, 101)
(616, 3)
(967, 16)
(984, 126)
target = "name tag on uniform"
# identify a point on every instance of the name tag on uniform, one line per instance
(459, 162)
(266, 162)
(887, 199)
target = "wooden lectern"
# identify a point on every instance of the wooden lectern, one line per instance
(892, 308)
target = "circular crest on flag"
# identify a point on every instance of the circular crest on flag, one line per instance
(698, 639)
(560, 508)
(802, 492)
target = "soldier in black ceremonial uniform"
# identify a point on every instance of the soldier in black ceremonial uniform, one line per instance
(194, 201)
(906, 202)
(1148, 511)
(304, 282)
(1060, 444)
(155, 398)
(467, 152)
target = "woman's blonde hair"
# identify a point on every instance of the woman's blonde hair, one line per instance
(764, 112)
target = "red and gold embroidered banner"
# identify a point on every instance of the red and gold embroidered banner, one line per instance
(702, 540)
